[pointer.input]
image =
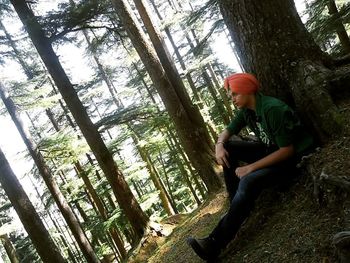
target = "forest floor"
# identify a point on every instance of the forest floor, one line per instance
(289, 225)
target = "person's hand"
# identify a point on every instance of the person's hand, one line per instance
(243, 170)
(221, 155)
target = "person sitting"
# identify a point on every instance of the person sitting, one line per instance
(270, 161)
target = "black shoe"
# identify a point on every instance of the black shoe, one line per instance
(205, 248)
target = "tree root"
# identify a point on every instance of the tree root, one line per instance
(341, 241)
(342, 182)
(153, 231)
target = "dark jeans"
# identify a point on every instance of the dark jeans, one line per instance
(243, 192)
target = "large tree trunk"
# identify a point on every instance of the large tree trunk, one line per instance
(124, 196)
(36, 230)
(187, 119)
(51, 184)
(273, 43)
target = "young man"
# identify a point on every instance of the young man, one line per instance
(270, 161)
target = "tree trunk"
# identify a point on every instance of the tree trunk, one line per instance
(137, 189)
(10, 249)
(19, 55)
(57, 227)
(198, 98)
(50, 115)
(187, 180)
(154, 175)
(46, 174)
(103, 73)
(223, 94)
(107, 195)
(223, 113)
(125, 198)
(37, 232)
(188, 121)
(340, 29)
(191, 83)
(64, 229)
(285, 58)
(96, 200)
(167, 183)
(175, 145)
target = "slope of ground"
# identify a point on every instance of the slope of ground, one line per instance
(289, 225)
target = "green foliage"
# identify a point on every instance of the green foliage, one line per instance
(126, 115)
(70, 18)
(4, 207)
(63, 146)
(206, 12)
(149, 200)
(323, 26)
(112, 220)
(25, 249)
(5, 8)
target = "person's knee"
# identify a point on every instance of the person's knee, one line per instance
(247, 187)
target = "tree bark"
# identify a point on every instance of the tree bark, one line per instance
(196, 94)
(285, 59)
(188, 121)
(31, 221)
(124, 196)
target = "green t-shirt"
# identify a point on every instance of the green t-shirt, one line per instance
(273, 123)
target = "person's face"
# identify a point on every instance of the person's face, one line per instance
(239, 100)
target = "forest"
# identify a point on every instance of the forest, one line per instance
(109, 115)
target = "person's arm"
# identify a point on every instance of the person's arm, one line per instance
(234, 127)
(220, 153)
(281, 154)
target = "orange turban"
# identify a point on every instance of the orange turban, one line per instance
(242, 83)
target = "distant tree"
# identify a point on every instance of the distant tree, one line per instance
(326, 20)
(46, 248)
(50, 182)
(10, 249)
(123, 194)
(188, 122)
